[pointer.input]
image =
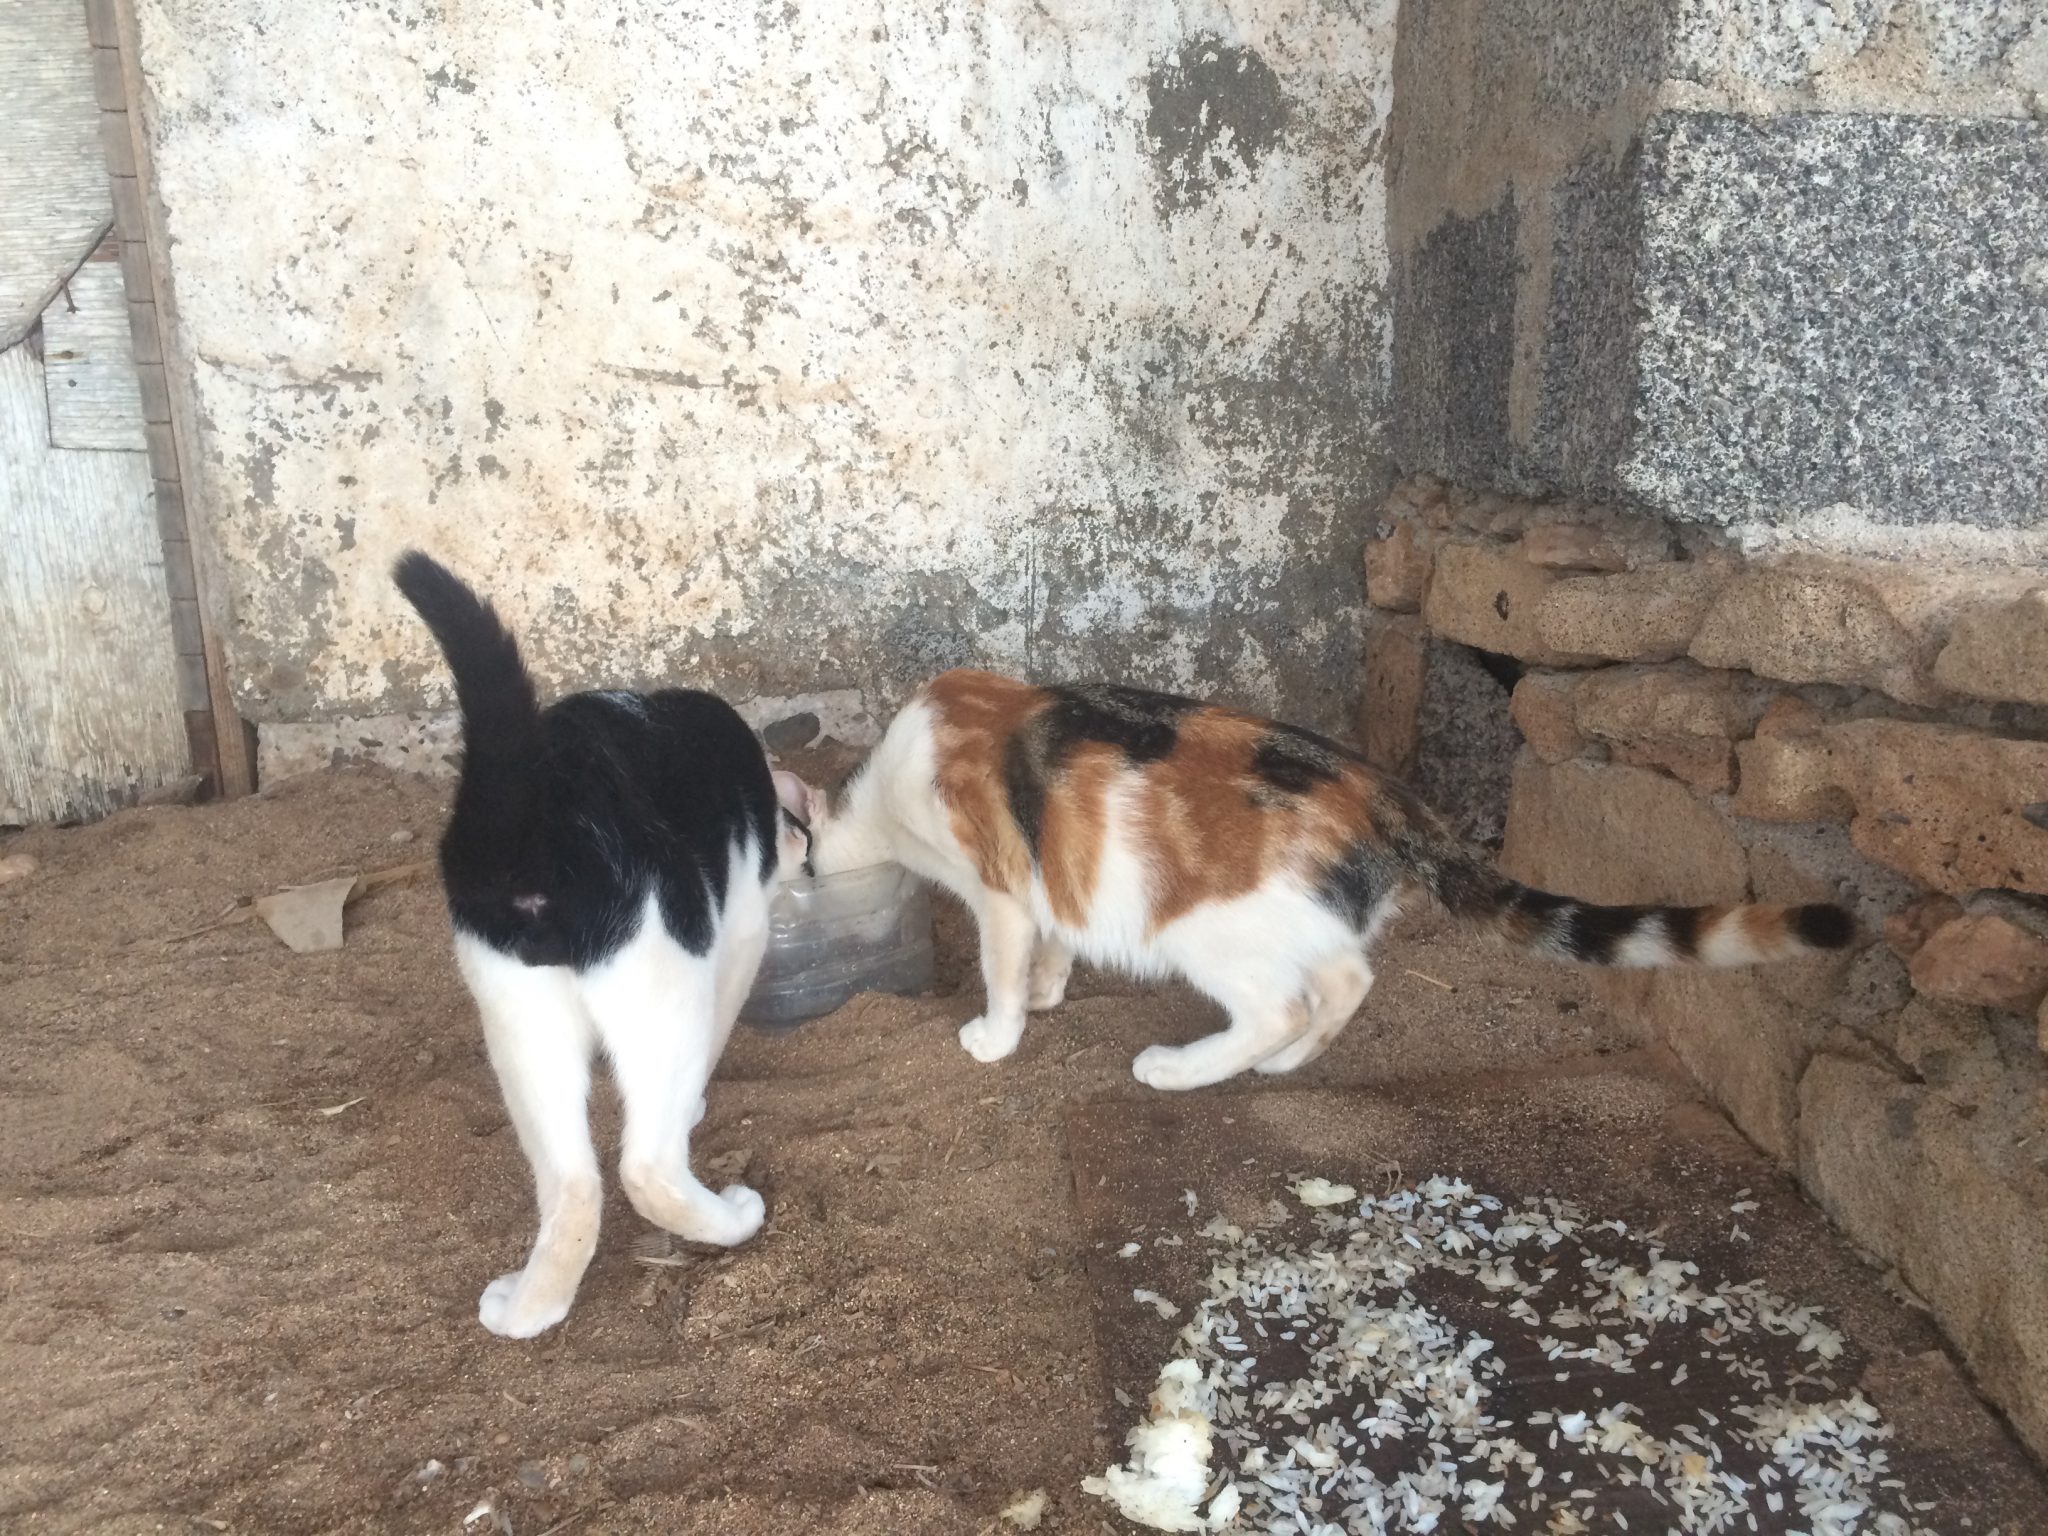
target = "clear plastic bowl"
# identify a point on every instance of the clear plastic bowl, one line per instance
(829, 939)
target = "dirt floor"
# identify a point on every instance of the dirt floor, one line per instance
(250, 1198)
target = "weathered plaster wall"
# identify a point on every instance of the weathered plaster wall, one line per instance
(784, 349)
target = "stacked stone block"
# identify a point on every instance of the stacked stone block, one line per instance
(1702, 727)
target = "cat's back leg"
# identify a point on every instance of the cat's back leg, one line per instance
(1259, 1026)
(1052, 962)
(1253, 955)
(539, 1041)
(1336, 986)
(658, 1011)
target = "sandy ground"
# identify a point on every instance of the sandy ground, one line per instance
(227, 1302)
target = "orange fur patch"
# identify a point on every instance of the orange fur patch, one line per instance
(1209, 826)
(1076, 822)
(1764, 928)
(974, 716)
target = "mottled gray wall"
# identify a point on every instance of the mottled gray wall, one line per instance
(783, 349)
(1782, 270)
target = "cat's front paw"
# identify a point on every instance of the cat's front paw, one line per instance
(987, 1042)
(745, 1211)
(511, 1311)
(1159, 1066)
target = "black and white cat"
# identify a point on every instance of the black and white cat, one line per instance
(608, 864)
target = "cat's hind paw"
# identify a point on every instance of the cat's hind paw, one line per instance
(508, 1309)
(746, 1211)
(987, 1042)
(1162, 1067)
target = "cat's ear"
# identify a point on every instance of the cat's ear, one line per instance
(797, 797)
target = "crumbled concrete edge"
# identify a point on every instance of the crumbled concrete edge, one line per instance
(429, 742)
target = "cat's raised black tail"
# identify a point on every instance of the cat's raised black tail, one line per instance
(500, 714)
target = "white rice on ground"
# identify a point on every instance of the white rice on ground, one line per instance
(1312, 1393)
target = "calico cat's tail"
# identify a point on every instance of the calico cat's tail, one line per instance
(1634, 937)
(500, 713)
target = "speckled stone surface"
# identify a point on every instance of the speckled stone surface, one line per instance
(1511, 216)
(1514, 334)
(1843, 311)
(1454, 308)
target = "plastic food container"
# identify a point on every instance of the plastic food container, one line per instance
(862, 930)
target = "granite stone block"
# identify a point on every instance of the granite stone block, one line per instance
(1843, 311)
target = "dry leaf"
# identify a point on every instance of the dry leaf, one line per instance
(359, 887)
(308, 917)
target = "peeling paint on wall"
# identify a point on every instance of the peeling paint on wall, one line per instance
(784, 350)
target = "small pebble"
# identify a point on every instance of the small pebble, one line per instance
(17, 866)
(423, 1056)
(579, 1464)
(402, 835)
(533, 1475)
(501, 1438)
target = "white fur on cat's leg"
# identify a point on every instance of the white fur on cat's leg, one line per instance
(656, 1007)
(1255, 1033)
(539, 1040)
(1006, 934)
(1336, 987)
(1051, 964)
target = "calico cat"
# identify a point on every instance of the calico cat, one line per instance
(608, 864)
(1162, 836)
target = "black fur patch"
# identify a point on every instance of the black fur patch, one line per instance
(1822, 926)
(1354, 885)
(1682, 931)
(1593, 934)
(1293, 763)
(1024, 785)
(1462, 886)
(1540, 905)
(1144, 726)
(567, 818)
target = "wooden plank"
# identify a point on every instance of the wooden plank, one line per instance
(89, 711)
(234, 763)
(53, 178)
(95, 395)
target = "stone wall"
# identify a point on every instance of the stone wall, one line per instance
(794, 351)
(1699, 726)
(1632, 247)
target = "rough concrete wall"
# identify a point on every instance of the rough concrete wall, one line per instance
(1778, 269)
(1512, 222)
(784, 349)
